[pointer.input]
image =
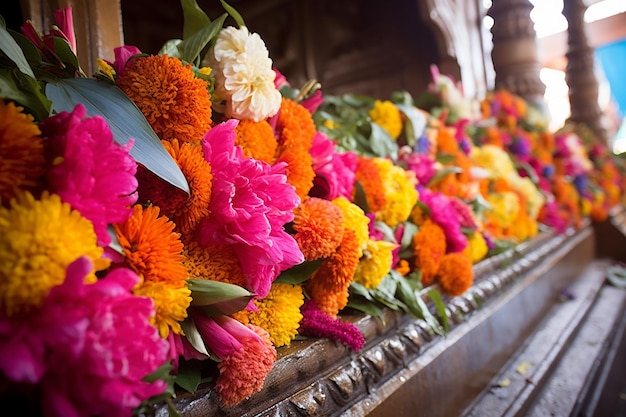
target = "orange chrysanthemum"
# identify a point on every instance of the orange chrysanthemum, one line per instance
(455, 273)
(295, 129)
(190, 158)
(319, 228)
(22, 162)
(429, 247)
(368, 175)
(214, 262)
(176, 103)
(153, 250)
(256, 139)
(446, 142)
(329, 284)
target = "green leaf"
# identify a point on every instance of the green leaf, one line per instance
(365, 306)
(24, 90)
(12, 50)
(360, 198)
(416, 306)
(189, 376)
(125, 120)
(359, 289)
(194, 18)
(616, 275)
(410, 229)
(205, 292)
(442, 173)
(233, 13)
(191, 47)
(193, 336)
(170, 48)
(299, 273)
(415, 124)
(441, 308)
(63, 50)
(32, 54)
(381, 142)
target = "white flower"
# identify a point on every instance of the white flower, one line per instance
(244, 77)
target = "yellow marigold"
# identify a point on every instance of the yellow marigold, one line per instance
(476, 248)
(534, 198)
(455, 273)
(38, 240)
(171, 300)
(190, 158)
(153, 250)
(214, 262)
(354, 219)
(105, 69)
(319, 227)
(400, 192)
(256, 139)
(523, 228)
(386, 115)
(495, 159)
(296, 129)
(368, 175)
(176, 103)
(429, 246)
(279, 313)
(504, 209)
(328, 286)
(375, 263)
(22, 160)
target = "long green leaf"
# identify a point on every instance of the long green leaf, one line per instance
(190, 48)
(233, 13)
(206, 292)
(415, 124)
(25, 91)
(299, 273)
(194, 18)
(125, 120)
(441, 308)
(193, 336)
(9, 46)
(188, 376)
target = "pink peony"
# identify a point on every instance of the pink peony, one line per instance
(91, 172)
(98, 346)
(251, 202)
(334, 172)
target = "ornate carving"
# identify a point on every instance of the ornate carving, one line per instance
(514, 53)
(580, 72)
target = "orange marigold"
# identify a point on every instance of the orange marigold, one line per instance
(455, 273)
(176, 103)
(319, 228)
(190, 158)
(328, 286)
(153, 250)
(429, 247)
(214, 262)
(446, 142)
(22, 162)
(299, 170)
(256, 139)
(368, 175)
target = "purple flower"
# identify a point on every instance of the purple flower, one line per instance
(316, 323)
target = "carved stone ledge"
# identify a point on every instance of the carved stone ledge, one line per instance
(323, 378)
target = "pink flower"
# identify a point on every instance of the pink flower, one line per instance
(64, 29)
(91, 172)
(313, 102)
(334, 172)
(246, 352)
(123, 55)
(98, 345)
(421, 164)
(443, 213)
(251, 202)
(464, 213)
(316, 323)
(65, 23)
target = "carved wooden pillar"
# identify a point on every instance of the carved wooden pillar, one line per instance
(97, 23)
(580, 72)
(515, 54)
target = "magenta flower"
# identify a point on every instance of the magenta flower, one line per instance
(65, 26)
(63, 29)
(313, 102)
(421, 164)
(334, 172)
(316, 323)
(123, 55)
(90, 171)
(443, 213)
(97, 343)
(464, 213)
(251, 202)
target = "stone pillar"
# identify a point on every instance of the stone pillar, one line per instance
(515, 53)
(580, 72)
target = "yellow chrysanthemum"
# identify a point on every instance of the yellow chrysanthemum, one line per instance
(534, 198)
(38, 240)
(504, 209)
(375, 263)
(171, 300)
(153, 250)
(256, 139)
(354, 219)
(387, 115)
(495, 159)
(476, 248)
(21, 149)
(176, 103)
(279, 313)
(400, 192)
